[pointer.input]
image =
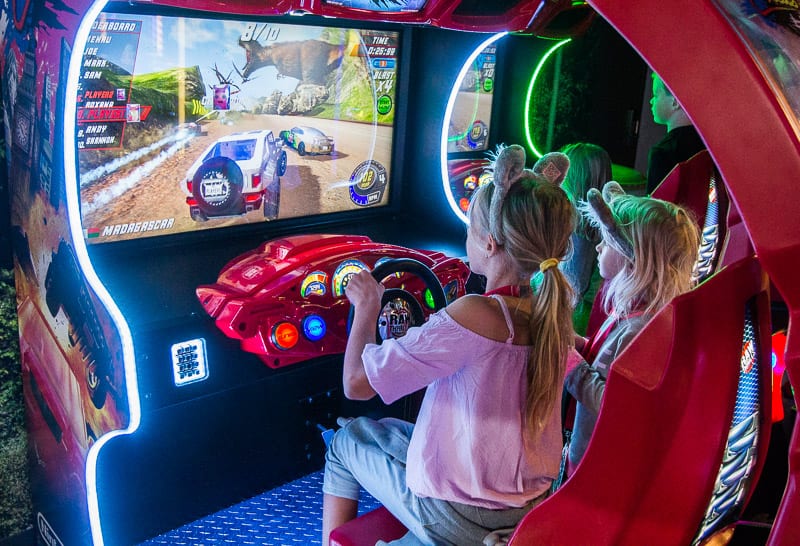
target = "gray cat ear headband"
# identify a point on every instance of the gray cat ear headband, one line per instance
(596, 208)
(553, 167)
(508, 167)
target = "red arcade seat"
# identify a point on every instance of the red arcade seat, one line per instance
(696, 184)
(368, 529)
(688, 184)
(681, 437)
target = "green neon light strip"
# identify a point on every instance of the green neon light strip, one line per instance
(528, 132)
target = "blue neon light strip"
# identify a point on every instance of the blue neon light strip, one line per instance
(79, 244)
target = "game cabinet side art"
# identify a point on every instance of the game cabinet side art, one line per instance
(76, 353)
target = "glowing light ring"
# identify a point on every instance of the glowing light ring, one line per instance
(529, 95)
(315, 283)
(446, 124)
(346, 269)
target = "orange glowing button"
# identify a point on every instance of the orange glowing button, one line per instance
(285, 335)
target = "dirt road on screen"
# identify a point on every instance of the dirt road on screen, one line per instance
(148, 190)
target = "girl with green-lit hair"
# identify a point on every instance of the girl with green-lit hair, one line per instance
(590, 167)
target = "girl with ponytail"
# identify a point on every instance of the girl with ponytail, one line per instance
(487, 443)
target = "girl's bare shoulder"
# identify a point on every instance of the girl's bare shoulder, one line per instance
(479, 314)
(470, 304)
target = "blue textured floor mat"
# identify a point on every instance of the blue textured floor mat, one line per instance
(287, 515)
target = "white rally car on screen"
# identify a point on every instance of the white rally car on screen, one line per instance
(236, 174)
(308, 140)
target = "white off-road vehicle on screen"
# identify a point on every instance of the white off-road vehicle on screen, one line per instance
(236, 174)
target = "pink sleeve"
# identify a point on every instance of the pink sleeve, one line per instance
(426, 353)
(573, 359)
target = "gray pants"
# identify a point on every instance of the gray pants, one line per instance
(372, 454)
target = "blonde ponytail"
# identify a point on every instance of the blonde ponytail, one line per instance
(551, 331)
(535, 221)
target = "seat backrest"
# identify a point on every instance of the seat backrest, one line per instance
(669, 424)
(687, 183)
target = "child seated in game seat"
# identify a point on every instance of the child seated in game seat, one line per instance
(486, 445)
(646, 256)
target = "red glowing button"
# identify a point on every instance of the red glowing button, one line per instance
(284, 335)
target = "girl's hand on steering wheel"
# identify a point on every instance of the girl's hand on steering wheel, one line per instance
(365, 293)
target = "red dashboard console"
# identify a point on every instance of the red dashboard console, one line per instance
(285, 300)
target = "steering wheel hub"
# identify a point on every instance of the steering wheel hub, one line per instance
(395, 319)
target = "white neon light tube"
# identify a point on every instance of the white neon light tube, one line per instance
(446, 123)
(79, 244)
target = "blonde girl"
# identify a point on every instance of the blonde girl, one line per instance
(646, 255)
(486, 445)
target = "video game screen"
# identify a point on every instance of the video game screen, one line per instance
(188, 124)
(472, 110)
(380, 5)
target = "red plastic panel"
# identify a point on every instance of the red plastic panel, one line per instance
(240, 7)
(687, 184)
(441, 13)
(262, 294)
(366, 530)
(778, 349)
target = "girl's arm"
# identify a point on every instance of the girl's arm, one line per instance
(588, 383)
(365, 294)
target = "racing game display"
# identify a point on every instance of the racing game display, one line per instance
(468, 129)
(189, 123)
(472, 109)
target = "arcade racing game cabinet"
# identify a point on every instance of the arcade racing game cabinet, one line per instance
(152, 149)
(157, 177)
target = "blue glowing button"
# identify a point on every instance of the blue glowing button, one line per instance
(314, 327)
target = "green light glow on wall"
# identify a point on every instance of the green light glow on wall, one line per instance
(528, 130)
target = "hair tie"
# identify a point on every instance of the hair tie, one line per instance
(548, 263)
